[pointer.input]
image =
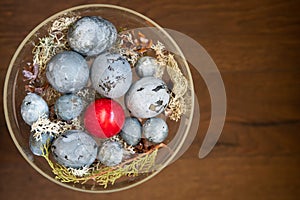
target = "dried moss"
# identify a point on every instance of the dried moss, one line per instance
(55, 42)
(176, 106)
(54, 128)
(103, 175)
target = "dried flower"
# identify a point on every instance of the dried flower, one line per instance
(30, 72)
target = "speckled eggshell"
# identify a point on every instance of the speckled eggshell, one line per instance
(91, 35)
(75, 149)
(146, 66)
(33, 106)
(131, 131)
(68, 106)
(67, 72)
(147, 97)
(155, 130)
(111, 75)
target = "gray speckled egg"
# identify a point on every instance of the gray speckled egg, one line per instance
(91, 35)
(111, 75)
(74, 148)
(147, 97)
(36, 146)
(67, 72)
(68, 106)
(33, 106)
(110, 153)
(155, 130)
(131, 131)
(146, 66)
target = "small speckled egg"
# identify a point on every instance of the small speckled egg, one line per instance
(110, 153)
(67, 72)
(33, 106)
(36, 146)
(147, 97)
(74, 148)
(131, 131)
(111, 75)
(146, 66)
(155, 130)
(91, 35)
(68, 106)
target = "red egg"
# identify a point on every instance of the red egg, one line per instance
(104, 118)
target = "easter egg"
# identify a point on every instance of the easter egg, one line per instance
(148, 97)
(111, 75)
(104, 118)
(110, 153)
(74, 148)
(68, 106)
(37, 146)
(91, 35)
(155, 130)
(33, 107)
(67, 72)
(131, 131)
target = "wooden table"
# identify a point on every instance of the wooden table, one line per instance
(255, 44)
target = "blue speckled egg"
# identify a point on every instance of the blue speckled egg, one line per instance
(67, 72)
(147, 97)
(68, 106)
(74, 148)
(37, 146)
(33, 107)
(155, 130)
(91, 35)
(111, 75)
(110, 153)
(131, 131)
(146, 66)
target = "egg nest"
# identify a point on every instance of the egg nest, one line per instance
(131, 45)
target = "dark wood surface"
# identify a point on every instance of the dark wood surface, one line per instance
(255, 44)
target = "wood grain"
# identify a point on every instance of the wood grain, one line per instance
(255, 44)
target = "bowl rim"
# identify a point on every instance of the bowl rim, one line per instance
(9, 70)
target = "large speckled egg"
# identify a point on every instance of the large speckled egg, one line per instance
(91, 35)
(155, 130)
(147, 97)
(111, 75)
(74, 148)
(146, 66)
(67, 72)
(131, 131)
(33, 107)
(68, 106)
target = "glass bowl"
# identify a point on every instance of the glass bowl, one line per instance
(123, 19)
